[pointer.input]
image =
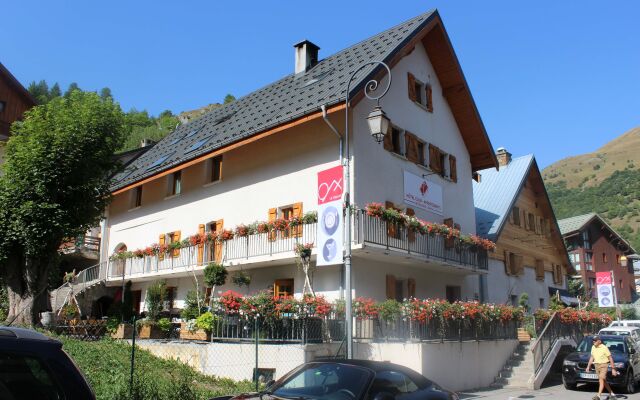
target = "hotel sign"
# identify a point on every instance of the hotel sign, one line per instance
(422, 193)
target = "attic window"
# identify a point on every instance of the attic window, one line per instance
(177, 139)
(223, 119)
(159, 161)
(317, 78)
(193, 132)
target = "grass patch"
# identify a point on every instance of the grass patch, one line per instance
(106, 364)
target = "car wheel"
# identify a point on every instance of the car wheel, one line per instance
(567, 385)
(630, 387)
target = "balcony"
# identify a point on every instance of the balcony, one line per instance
(266, 248)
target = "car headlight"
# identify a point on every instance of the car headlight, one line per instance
(569, 362)
(620, 365)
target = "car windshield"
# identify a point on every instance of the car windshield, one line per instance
(615, 345)
(612, 332)
(327, 381)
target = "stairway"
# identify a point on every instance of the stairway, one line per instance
(85, 280)
(518, 370)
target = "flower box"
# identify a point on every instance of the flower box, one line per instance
(151, 332)
(198, 334)
(124, 331)
(363, 329)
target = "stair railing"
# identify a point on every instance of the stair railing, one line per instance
(554, 330)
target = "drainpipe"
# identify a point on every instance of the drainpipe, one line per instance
(104, 243)
(341, 158)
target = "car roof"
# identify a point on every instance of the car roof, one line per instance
(10, 332)
(620, 328)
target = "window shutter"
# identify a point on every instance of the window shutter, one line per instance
(434, 158)
(297, 212)
(392, 229)
(411, 287)
(411, 234)
(511, 216)
(218, 245)
(428, 92)
(387, 143)
(412, 147)
(538, 225)
(412, 86)
(201, 230)
(391, 287)
(453, 171)
(526, 220)
(448, 241)
(540, 270)
(519, 265)
(161, 242)
(273, 214)
(176, 238)
(507, 262)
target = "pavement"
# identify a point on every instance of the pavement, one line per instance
(552, 389)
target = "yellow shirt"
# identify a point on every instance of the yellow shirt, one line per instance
(600, 354)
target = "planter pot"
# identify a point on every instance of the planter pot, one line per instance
(151, 332)
(124, 331)
(363, 329)
(313, 330)
(198, 334)
(48, 319)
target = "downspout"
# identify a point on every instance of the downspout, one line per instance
(341, 158)
(333, 128)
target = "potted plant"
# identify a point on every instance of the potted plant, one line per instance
(155, 299)
(214, 275)
(122, 312)
(365, 311)
(241, 279)
(189, 315)
(389, 312)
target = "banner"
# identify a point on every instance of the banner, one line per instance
(422, 193)
(330, 234)
(604, 289)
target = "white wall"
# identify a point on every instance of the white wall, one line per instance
(500, 286)
(379, 173)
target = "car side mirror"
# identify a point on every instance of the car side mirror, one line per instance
(384, 396)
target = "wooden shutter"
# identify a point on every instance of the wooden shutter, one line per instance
(273, 214)
(391, 287)
(412, 86)
(449, 241)
(201, 230)
(538, 225)
(540, 270)
(218, 244)
(434, 159)
(453, 170)
(411, 234)
(175, 239)
(161, 242)
(428, 94)
(525, 217)
(411, 287)
(410, 145)
(507, 262)
(518, 264)
(511, 215)
(392, 229)
(297, 212)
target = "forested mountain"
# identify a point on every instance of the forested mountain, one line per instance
(140, 125)
(606, 181)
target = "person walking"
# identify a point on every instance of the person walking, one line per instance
(601, 358)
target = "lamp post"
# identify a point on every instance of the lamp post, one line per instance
(378, 126)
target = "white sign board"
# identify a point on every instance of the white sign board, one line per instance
(330, 233)
(605, 290)
(422, 193)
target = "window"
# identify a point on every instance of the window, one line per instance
(171, 296)
(540, 270)
(396, 137)
(174, 184)
(214, 250)
(532, 222)
(215, 169)
(283, 288)
(514, 300)
(174, 237)
(392, 382)
(453, 293)
(417, 86)
(592, 283)
(3, 105)
(26, 377)
(414, 148)
(586, 240)
(515, 215)
(618, 259)
(136, 197)
(557, 274)
(604, 257)
(587, 256)
(419, 92)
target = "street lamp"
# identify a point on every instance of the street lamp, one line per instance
(378, 126)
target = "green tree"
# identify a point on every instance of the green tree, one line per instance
(55, 185)
(72, 87)
(55, 91)
(105, 93)
(229, 98)
(214, 275)
(39, 91)
(155, 299)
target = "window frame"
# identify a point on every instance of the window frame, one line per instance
(214, 166)
(135, 201)
(174, 184)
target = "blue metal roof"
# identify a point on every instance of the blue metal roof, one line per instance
(496, 193)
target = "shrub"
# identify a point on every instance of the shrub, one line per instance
(165, 324)
(191, 309)
(389, 310)
(205, 321)
(215, 275)
(156, 296)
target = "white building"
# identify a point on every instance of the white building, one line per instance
(257, 159)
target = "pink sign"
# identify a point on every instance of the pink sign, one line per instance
(603, 278)
(330, 185)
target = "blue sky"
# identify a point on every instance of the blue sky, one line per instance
(553, 78)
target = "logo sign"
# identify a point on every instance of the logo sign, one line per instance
(604, 289)
(330, 233)
(422, 193)
(330, 185)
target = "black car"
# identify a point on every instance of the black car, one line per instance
(34, 366)
(626, 358)
(350, 380)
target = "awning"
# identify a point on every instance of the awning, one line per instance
(565, 296)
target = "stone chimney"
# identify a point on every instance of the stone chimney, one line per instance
(306, 56)
(503, 156)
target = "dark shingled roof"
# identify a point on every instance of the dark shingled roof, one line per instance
(292, 97)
